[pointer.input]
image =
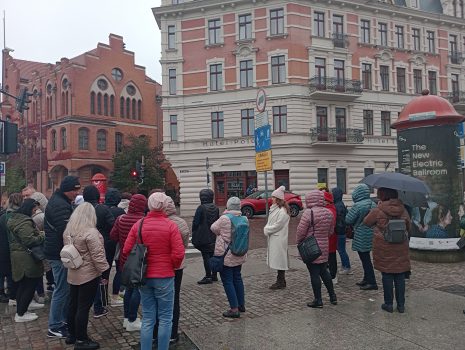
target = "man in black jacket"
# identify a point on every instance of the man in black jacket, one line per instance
(57, 214)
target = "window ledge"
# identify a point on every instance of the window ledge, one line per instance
(171, 50)
(277, 36)
(212, 46)
(245, 41)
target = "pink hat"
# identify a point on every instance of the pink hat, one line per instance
(279, 192)
(157, 201)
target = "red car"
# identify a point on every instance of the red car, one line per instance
(255, 203)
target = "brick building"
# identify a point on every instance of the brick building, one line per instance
(82, 111)
(336, 74)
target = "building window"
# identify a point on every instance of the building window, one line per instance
(339, 73)
(279, 119)
(322, 175)
(128, 107)
(401, 80)
(105, 104)
(92, 104)
(134, 111)
(365, 31)
(453, 48)
(171, 37)
(63, 103)
(217, 125)
(139, 109)
(338, 25)
(341, 179)
(400, 36)
(431, 42)
(320, 70)
(112, 105)
(366, 76)
(367, 172)
(101, 140)
(416, 39)
(246, 73)
(83, 134)
(368, 122)
(172, 81)
(384, 75)
(99, 103)
(319, 24)
(322, 123)
(455, 84)
(276, 21)
(121, 107)
(247, 122)
(214, 28)
(341, 125)
(64, 140)
(118, 142)
(117, 74)
(432, 82)
(216, 77)
(54, 140)
(245, 27)
(278, 69)
(417, 81)
(382, 32)
(174, 127)
(385, 123)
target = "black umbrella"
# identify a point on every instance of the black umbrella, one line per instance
(413, 199)
(396, 181)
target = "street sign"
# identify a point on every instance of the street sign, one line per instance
(2, 173)
(263, 138)
(261, 119)
(263, 161)
(261, 100)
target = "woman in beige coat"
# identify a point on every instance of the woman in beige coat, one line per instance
(277, 231)
(82, 232)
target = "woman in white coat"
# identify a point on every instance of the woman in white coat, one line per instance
(277, 231)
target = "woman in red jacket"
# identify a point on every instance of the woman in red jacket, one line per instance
(165, 254)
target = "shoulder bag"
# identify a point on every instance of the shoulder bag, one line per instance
(216, 263)
(37, 251)
(134, 269)
(309, 249)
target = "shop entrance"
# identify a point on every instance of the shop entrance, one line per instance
(233, 184)
(281, 178)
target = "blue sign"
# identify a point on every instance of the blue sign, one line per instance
(263, 138)
(2, 168)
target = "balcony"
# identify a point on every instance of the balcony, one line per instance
(335, 89)
(456, 57)
(340, 40)
(335, 136)
(457, 98)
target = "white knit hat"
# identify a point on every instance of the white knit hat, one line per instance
(279, 192)
(233, 203)
(157, 201)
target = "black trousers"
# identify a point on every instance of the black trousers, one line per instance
(206, 257)
(318, 271)
(24, 293)
(368, 271)
(81, 300)
(332, 263)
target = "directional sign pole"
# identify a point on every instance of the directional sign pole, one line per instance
(266, 193)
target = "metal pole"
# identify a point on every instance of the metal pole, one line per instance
(266, 193)
(207, 166)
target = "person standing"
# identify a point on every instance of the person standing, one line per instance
(26, 270)
(57, 214)
(317, 220)
(391, 259)
(81, 231)
(363, 235)
(332, 259)
(231, 274)
(277, 231)
(165, 254)
(341, 212)
(202, 237)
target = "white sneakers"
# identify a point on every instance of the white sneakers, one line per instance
(11, 302)
(335, 280)
(116, 300)
(35, 306)
(134, 326)
(27, 317)
(125, 322)
(345, 271)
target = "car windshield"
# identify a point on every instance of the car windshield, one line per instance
(259, 195)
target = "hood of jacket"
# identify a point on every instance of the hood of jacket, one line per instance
(137, 204)
(328, 197)
(112, 197)
(360, 193)
(206, 196)
(337, 194)
(40, 197)
(392, 207)
(170, 208)
(315, 198)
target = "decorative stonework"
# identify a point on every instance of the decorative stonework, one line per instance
(245, 50)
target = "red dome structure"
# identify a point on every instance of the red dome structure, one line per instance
(427, 110)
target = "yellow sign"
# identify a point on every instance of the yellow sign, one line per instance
(263, 161)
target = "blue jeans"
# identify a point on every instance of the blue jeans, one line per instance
(60, 297)
(131, 303)
(157, 297)
(398, 280)
(233, 285)
(341, 248)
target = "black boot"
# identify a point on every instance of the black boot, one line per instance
(369, 287)
(361, 283)
(316, 304)
(333, 299)
(87, 344)
(205, 280)
(280, 281)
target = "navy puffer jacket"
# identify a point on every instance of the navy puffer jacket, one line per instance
(341, 211)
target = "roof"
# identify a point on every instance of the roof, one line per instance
(433, 6)
(27, 67)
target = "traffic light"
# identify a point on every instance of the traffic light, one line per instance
(135, 175)
(22, 100)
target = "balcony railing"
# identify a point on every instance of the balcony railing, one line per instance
(456, 57)
(456, 97)
(340, 40)
(318, 83)
(336, 135)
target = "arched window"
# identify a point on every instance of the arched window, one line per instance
(63, 104)
(64, 140)
(118, 142)
(34, 112)
(128, 108)
(66, 102)
(101, 140)
(134, 108)
(112, 105)
(139, 109)
(54, 140)
(50, 102)
(83, 138)
(121, 107)
(105, 104)
(92, 102)
(99, 103)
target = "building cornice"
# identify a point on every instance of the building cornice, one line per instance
(79, 120)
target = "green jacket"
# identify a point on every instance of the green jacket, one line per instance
(23, 233)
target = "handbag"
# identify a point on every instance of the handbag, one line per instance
(134, 269)
(349, 232)
(309, 249)
(216, 262)
(461, 243)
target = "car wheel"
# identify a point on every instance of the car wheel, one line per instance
(294, 210)
(247, 212)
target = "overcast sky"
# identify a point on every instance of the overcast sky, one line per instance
(46, 30)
